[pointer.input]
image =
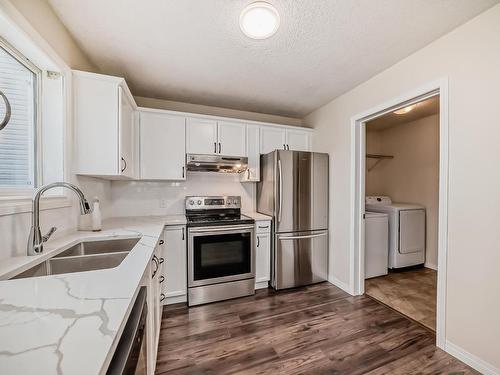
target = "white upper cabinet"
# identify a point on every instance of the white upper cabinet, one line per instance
(298, 140)
(275, 138)
(272, 138)
(162, 146)
(105, 121)
(207, 136)
(252, 174)
(231, 138)
(201, 136)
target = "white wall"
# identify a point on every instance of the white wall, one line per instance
(143, 197)
(413, 175)
(470, 57)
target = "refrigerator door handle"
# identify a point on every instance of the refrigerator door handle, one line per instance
(283, 238)
(280, 188)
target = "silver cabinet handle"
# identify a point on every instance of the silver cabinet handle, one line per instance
(183, 168)
(155, 259)
(263, 227)
(124, 164)
(248, 174)
(161, 242)
(162, 279)
(280, 188)
(162, 297)
(161, 260)
(183, 233)
(288, 147)
(302, 237)
(284, 146)
(220, 148)
(258, 241)
(8, 112)
(215, 147)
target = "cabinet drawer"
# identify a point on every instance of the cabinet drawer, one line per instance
(263, 226)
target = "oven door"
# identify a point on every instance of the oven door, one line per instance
(220, 254)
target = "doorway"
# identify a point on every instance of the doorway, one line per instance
(438, 92)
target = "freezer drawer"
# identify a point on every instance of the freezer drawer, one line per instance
(300, 258)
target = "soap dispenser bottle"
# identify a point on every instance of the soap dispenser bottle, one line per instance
(96, 216)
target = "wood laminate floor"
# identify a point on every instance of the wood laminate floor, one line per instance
(412, 293)
(311, 330)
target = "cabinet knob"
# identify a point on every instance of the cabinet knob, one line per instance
(162, 242)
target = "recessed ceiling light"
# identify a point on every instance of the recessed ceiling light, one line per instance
(405, 110)
(259, 20)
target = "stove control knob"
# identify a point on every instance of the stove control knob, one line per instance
(199, 202)
(191, 202)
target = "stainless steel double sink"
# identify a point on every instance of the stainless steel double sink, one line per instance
(84, 256)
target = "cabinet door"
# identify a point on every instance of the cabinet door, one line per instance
(162, 147)
(201, 136)
(298, 140)
(271, 139)
(175, 273)
(232, 139)
(126, 121)
(263, 257)
(253, 172)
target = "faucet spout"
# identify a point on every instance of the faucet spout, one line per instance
(35, 239)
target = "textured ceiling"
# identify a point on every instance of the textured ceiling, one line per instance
(423, 109)
(193, 51)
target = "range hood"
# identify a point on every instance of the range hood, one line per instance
(216, 163)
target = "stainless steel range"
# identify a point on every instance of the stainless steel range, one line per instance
(221, 256)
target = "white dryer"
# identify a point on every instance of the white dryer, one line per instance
(406, 230)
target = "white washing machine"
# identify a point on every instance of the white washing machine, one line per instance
(376, 244)
(406, 230)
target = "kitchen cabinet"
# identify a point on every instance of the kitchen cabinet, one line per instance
(201, 136)
(175, 254)
(105, 121)
(252, 174)
(155, 299)
(276, 138)
(212, 137)
(162, 151)
(262, 253)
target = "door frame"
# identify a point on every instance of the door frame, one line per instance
(357, 201)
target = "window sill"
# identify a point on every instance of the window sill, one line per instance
(21, 205)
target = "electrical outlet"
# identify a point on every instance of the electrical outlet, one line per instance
(163, 203)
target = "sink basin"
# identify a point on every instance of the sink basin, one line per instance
(99, 247)
(84, 256)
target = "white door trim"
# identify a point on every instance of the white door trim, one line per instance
(357, 199)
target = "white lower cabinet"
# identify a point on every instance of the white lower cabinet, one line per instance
(154, 274)
(262, 253)
(175, 253)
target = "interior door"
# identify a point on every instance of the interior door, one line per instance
(411, 231)
(232, 139)
(126, 123)
(163, 150)
(301, 258)
(201, 136)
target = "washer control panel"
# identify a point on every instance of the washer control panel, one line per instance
(211, 202)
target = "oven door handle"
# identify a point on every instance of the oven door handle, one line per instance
(221, 229)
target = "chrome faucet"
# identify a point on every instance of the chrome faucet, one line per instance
(35, 239)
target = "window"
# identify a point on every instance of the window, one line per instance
(18, 139)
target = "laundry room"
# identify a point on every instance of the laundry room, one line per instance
(402, 209)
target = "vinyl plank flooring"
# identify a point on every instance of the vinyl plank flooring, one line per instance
(317, 329)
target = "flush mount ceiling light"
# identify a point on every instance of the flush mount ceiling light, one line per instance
(405, 110)
(259, 20)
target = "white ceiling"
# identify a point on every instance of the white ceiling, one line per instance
(193, 51)
(423, 109)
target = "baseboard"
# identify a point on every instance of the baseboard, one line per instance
(175, 299)
(431, 266)
(470, 359)
(261, 285)
(341, 285)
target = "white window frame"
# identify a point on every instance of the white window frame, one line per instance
(23, 193)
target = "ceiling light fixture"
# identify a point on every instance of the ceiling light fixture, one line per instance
(259, 20)
(405, 110)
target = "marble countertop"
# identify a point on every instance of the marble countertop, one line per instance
(71, 323)
(257, 216)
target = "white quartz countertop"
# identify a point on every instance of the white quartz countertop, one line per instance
(257, 216)
(71, 323)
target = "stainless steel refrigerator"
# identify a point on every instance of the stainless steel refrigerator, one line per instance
(294, 191)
